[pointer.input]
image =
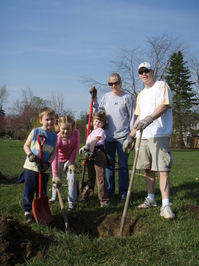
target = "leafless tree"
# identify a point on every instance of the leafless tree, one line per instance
(57, 103)
(18, 105)
(194, 66)
(158, 54)
(161, 49)
(3, 95)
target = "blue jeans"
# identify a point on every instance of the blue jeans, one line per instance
(31, 186)
(72, 187)
(111, 147)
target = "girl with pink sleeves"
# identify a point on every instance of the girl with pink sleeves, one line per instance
(68, 140)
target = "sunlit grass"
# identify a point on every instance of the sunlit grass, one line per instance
(160, 242)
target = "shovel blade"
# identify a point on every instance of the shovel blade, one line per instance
(41, 210)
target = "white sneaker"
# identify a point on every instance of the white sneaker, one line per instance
(104, 205)
(52, 200)
(167, 213)
(71, 206)
(148, 203)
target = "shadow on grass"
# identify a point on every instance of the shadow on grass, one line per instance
(8, 180)
(186, 190)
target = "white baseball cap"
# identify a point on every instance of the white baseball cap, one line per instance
(145, 65)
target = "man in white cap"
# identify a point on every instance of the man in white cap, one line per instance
(155, 118)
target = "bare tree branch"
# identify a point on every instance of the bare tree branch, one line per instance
(3, 95)
(126, 64)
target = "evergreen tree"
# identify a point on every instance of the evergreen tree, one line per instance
(178, 78)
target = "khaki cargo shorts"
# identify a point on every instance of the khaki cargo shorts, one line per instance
(155, 154)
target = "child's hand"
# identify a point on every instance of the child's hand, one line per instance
(57, 181)
(82, 150)
(71, 169)
(33, 158)
(44, 167)
(88, 154)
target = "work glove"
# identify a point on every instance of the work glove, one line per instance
(33, 158)
(142, 124)
(71, 169)
(82, 150)
(128, 144)
(93, 90)
(88, 154)
(57, 181)
(43, 167)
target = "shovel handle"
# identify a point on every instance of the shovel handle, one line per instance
(130, 185)
(90, 114)
(89, 121)
(41, 144)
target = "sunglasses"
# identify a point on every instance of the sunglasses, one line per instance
(113, 83)
(144, 71)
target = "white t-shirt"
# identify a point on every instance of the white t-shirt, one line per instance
(147, 101)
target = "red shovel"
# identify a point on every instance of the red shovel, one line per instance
(40, 206)
(82, 184)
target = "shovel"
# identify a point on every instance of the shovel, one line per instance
(130, 186)
(64, 213)
(40, 206)
(82, 183)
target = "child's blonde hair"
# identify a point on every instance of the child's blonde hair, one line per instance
(46, 111)
(64, 120)
(101, 115)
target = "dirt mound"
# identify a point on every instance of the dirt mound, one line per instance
(19, 243)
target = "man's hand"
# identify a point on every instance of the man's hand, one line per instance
(128, 144)
(94, 91)
(33, 158)
(142, 124)
(43, 167)
(82, 150)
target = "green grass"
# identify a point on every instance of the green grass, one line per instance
(159, 242)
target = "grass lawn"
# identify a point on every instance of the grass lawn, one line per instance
(148, 238)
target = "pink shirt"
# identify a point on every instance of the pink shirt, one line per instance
(66, 150)
(99, 132)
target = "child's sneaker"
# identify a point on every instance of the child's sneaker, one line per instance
(27, 218)
(83, 200)
(71, 207)
(167, 213)
(105, 204)
(51, 201)
(123, 198)
(148, 203)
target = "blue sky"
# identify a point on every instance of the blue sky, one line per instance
(49, 45)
